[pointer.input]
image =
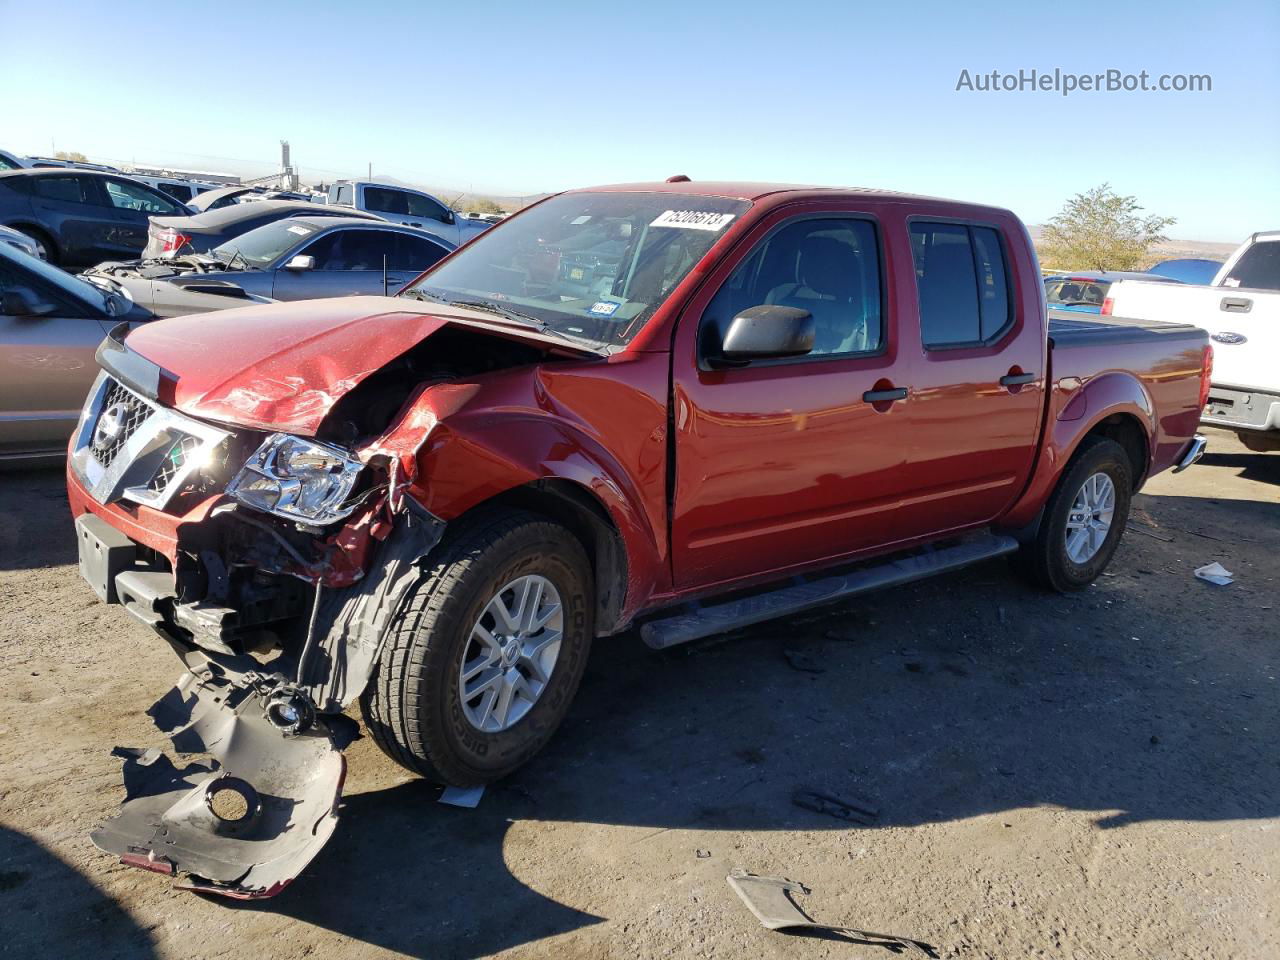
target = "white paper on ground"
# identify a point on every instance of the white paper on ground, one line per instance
(468, 797)
(1215, 573)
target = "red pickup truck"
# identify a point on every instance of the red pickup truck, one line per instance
(687, 406)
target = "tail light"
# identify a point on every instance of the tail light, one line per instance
(171, 241)
(1206, 375)
(1107, 306)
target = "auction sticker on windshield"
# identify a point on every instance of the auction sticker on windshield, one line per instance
(693, 220)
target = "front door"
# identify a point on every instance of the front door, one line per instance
(784, 463)
(46, 368)
(348, 262)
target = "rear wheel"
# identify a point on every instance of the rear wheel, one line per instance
(1083, 520)
(480, 667)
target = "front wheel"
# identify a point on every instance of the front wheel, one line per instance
(481, 665)
(1083, 520)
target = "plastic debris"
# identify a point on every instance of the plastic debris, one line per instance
(1215, 573)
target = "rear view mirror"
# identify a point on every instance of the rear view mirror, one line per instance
(766, 332)
(301, 262)
(23, 302)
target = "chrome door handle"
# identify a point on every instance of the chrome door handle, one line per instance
(885, 396)
(1017, 379)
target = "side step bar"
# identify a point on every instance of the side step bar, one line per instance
(798, 597)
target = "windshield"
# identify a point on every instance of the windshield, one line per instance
(264, 245)
(1075, 291)
(591, 266)
(65, 282)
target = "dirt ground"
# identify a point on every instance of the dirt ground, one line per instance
(1082, 777)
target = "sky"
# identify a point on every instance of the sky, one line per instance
(521, 98)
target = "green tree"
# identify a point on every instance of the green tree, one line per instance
(1100, 230)
(75, 156)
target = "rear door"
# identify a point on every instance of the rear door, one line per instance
(783, 463)
(348, 261)
(46, 366)
(74, 210)
(977, 388)
(133, 205)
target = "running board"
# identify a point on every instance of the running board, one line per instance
(798, 597)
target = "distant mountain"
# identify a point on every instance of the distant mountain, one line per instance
(1170, 249)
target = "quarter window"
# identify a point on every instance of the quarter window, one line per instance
(962, 283)
(829, 267)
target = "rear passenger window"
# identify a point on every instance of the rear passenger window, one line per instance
(829, 267)
(382, 200)
(66, 189)
(962, 284)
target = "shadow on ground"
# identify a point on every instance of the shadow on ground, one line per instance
(954, 698)
(63, 914)
(35, 521)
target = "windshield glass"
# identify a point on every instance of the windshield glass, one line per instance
(65, 282)
(1076, 290)
(263, 246)
(591, 266)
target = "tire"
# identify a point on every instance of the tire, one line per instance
(44, 242)
(414, 706)
(1047, 560)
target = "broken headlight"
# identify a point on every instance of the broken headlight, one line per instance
(298, 479)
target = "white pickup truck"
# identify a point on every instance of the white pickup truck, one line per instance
(1241, 311)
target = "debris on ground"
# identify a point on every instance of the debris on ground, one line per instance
(861, 812)
(468, 797)
(1215, 573)
(805, 659)
(769, 899)
(702, 854)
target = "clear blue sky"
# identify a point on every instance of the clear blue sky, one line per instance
(525, 97)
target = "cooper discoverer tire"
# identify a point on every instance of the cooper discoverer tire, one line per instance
(1071, 548)
(414, 707)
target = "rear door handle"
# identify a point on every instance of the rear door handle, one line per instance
(884, 396)
(1017, 379)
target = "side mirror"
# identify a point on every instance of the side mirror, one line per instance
(766, 332)
(301, 262)
(447, 217)
(22, 302)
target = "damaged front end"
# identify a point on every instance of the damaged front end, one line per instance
(273, 585)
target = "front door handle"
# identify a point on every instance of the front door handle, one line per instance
(1017, 379)
(884, 396)
(1235, 304)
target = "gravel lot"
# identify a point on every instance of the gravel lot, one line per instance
(1085, 776)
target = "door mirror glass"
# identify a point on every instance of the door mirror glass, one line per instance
(23, 302)
(766, 332)
(301, 262)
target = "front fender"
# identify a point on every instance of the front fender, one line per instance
(1074, 412)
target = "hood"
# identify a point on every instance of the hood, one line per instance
(283, 366)
(280, 367)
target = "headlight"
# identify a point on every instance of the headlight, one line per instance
(297, 479)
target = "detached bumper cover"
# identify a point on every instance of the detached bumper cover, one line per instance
(247, 812)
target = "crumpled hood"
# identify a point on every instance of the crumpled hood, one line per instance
(280, 367)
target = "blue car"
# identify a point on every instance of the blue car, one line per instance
(1190, 270)
(1084, 290)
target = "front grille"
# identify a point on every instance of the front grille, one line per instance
(121, 415)
(131, 448)
(174, 460)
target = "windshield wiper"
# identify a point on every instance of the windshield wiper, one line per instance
(490, 307)
(424, 295)
(236, 254)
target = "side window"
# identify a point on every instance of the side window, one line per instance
(1258, 268)
(414, 253)
(383, 200)
(343, 196)
(352, 250)
(132, 196)
(420, 206)
(179, 191)
(961, 282)
(830, 267)
(65, 189)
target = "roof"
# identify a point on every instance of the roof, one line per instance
(758, 191)
(62, 171)
(222, 216)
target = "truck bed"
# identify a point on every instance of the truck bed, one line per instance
(1070, 329)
